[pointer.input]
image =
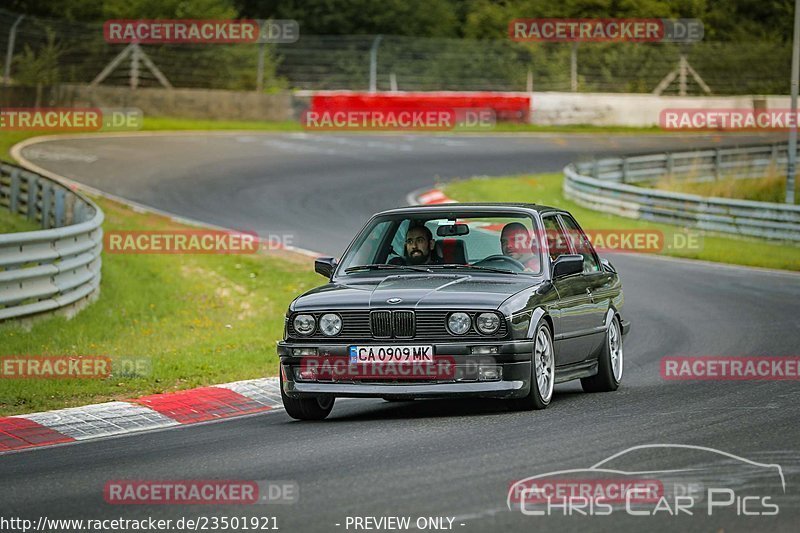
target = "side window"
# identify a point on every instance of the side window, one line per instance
(368, 247)
(556, 240)
(398, 242)
(581, 244)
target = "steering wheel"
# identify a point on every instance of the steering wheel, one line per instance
(501, 257)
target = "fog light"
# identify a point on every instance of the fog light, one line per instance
(490, 373)
(304, 374)
(484, 350)
(304, 351)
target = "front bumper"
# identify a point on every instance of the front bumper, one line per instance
(513, 358)
(484, 389)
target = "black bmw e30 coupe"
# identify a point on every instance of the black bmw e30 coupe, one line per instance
(456, 300)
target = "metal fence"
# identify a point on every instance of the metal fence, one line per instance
(57, 266)
(605, 185)
(50, 51)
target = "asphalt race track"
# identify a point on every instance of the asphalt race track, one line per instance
(432, 458)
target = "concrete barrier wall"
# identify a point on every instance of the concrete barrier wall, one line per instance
(609, 109)
(185, 103)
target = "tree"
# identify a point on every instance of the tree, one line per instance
(39, 68)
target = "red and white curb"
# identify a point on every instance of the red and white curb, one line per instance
(429, 197)
(148, 412)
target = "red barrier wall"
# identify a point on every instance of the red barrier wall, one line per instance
(507, 107)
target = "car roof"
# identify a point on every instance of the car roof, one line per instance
(491, 207)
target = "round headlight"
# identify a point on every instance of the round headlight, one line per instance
(458, 323)
(330, 324)
(304, 324)
(487, 323)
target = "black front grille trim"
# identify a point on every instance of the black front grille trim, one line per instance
(381, 324)
(427, 326)
(403, 324)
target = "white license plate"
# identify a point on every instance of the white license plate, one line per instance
(391, 354)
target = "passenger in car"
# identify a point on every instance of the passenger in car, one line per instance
(518, 243)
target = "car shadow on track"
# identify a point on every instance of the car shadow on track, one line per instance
(440, 408)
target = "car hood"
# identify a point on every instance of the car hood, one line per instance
(416, 291)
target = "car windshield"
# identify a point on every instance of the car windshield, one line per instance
(485, 242)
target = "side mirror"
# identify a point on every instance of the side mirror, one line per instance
(607, 266)
(567, 265)
(325, 266)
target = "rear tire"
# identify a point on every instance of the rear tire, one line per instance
(609, 364)
(542, 372)
(316, 408)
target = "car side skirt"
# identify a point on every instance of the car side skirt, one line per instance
(584, 369)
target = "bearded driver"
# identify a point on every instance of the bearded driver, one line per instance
(419, 245)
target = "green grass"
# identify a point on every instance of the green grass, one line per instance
(198, 319)
(770, 188)
(188, 124)
(12, 223)
(10, 138)
(546, 189)
(176, 124)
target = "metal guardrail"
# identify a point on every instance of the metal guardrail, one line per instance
(605, 185)
(58, 265)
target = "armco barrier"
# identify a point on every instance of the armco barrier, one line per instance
(57, 266)
(604, 185)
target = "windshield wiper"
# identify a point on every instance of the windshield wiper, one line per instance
(476, 267)
(384, 266)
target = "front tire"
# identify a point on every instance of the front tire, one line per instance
(316, 408)
(609, 364)
(542, 372)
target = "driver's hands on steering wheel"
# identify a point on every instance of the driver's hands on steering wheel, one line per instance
(501, 257)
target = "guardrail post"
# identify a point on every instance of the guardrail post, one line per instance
(69, 216)
(717, 163)
(670, 163)
(59, 207)
(47, 198)
(33, 186)
(595, 169)
(13, 200)
(373, 64)
(625, 168)
(80, 213)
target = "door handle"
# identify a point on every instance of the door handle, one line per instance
(589, 292)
